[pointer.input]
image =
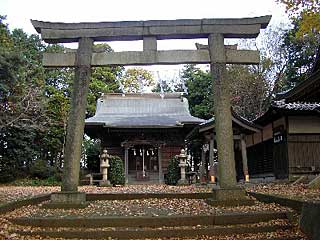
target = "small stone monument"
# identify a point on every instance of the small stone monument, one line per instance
(104, 165)
(182, 157)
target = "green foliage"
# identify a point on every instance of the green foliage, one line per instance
(173, 174)
(116, 171)
(34, 103)
(92, 152)
(42, 170)
(200, 94)
(299, 54)
(308, 11)
(50, 181)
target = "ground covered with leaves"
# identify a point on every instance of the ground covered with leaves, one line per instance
(142, 207)
(12, 193)
(293, 191)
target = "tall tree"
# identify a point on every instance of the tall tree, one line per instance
(137, 80)
(34, 102)
(200, 94)
(308, 14)
(299, 54)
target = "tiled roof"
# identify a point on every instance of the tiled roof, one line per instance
(299, 106)
(236, 118)
(142, 111)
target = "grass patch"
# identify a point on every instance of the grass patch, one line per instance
(50, 181)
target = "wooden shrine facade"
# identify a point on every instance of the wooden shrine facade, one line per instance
(144, 130)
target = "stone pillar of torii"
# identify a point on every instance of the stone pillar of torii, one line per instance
(216, 54)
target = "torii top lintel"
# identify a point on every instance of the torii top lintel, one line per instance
(55, 32)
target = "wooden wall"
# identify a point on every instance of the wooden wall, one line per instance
(304, 153)
(304, 124)
(167, 153)
(260, 158)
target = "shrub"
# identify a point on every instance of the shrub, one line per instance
(50, 181)
(116, 171)
(42, 170)
(173, 174)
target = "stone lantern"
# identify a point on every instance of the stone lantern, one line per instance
(104, 165)
(182, 157)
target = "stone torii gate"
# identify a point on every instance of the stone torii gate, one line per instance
(216, 54)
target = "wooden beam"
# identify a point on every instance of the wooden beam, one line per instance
(151, 58)
(53, 32)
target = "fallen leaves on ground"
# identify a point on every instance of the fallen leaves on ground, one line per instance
(12, 193)
(294, 191)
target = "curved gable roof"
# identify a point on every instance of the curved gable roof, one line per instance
(137, 110)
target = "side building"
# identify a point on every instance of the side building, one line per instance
(289, 143)
(205, 134)
(144, 130)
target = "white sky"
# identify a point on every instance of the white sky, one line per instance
(19, 13)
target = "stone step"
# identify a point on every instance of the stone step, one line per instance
(148, 221)
(132, 196)
(142, 233)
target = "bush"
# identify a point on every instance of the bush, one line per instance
(116, 171)
(173, 174)
(50, 181)
(42, 170)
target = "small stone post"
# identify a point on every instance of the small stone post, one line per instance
(183, 163)
(104, 165)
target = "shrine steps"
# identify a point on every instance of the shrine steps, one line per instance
(153, 178)
(156, 227)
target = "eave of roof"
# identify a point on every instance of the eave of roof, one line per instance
(281, 108)
(237, 119)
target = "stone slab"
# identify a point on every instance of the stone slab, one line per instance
(183, 182)
(310, 220)
(291, 203)
(105, 184)
(150, 221)
(151, 233)
(53, 32)
(10, 206)
(67, 200)
(227, 194)
(151, 58)
(230, 203)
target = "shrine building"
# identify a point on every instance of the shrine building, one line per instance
(144, 130)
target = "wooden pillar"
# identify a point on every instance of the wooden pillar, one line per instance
(126, 163)
(211, 151)
(203, 169)
(244, 158)
(160, 165)
(211, 158)
(222, 112)
(76, 118)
